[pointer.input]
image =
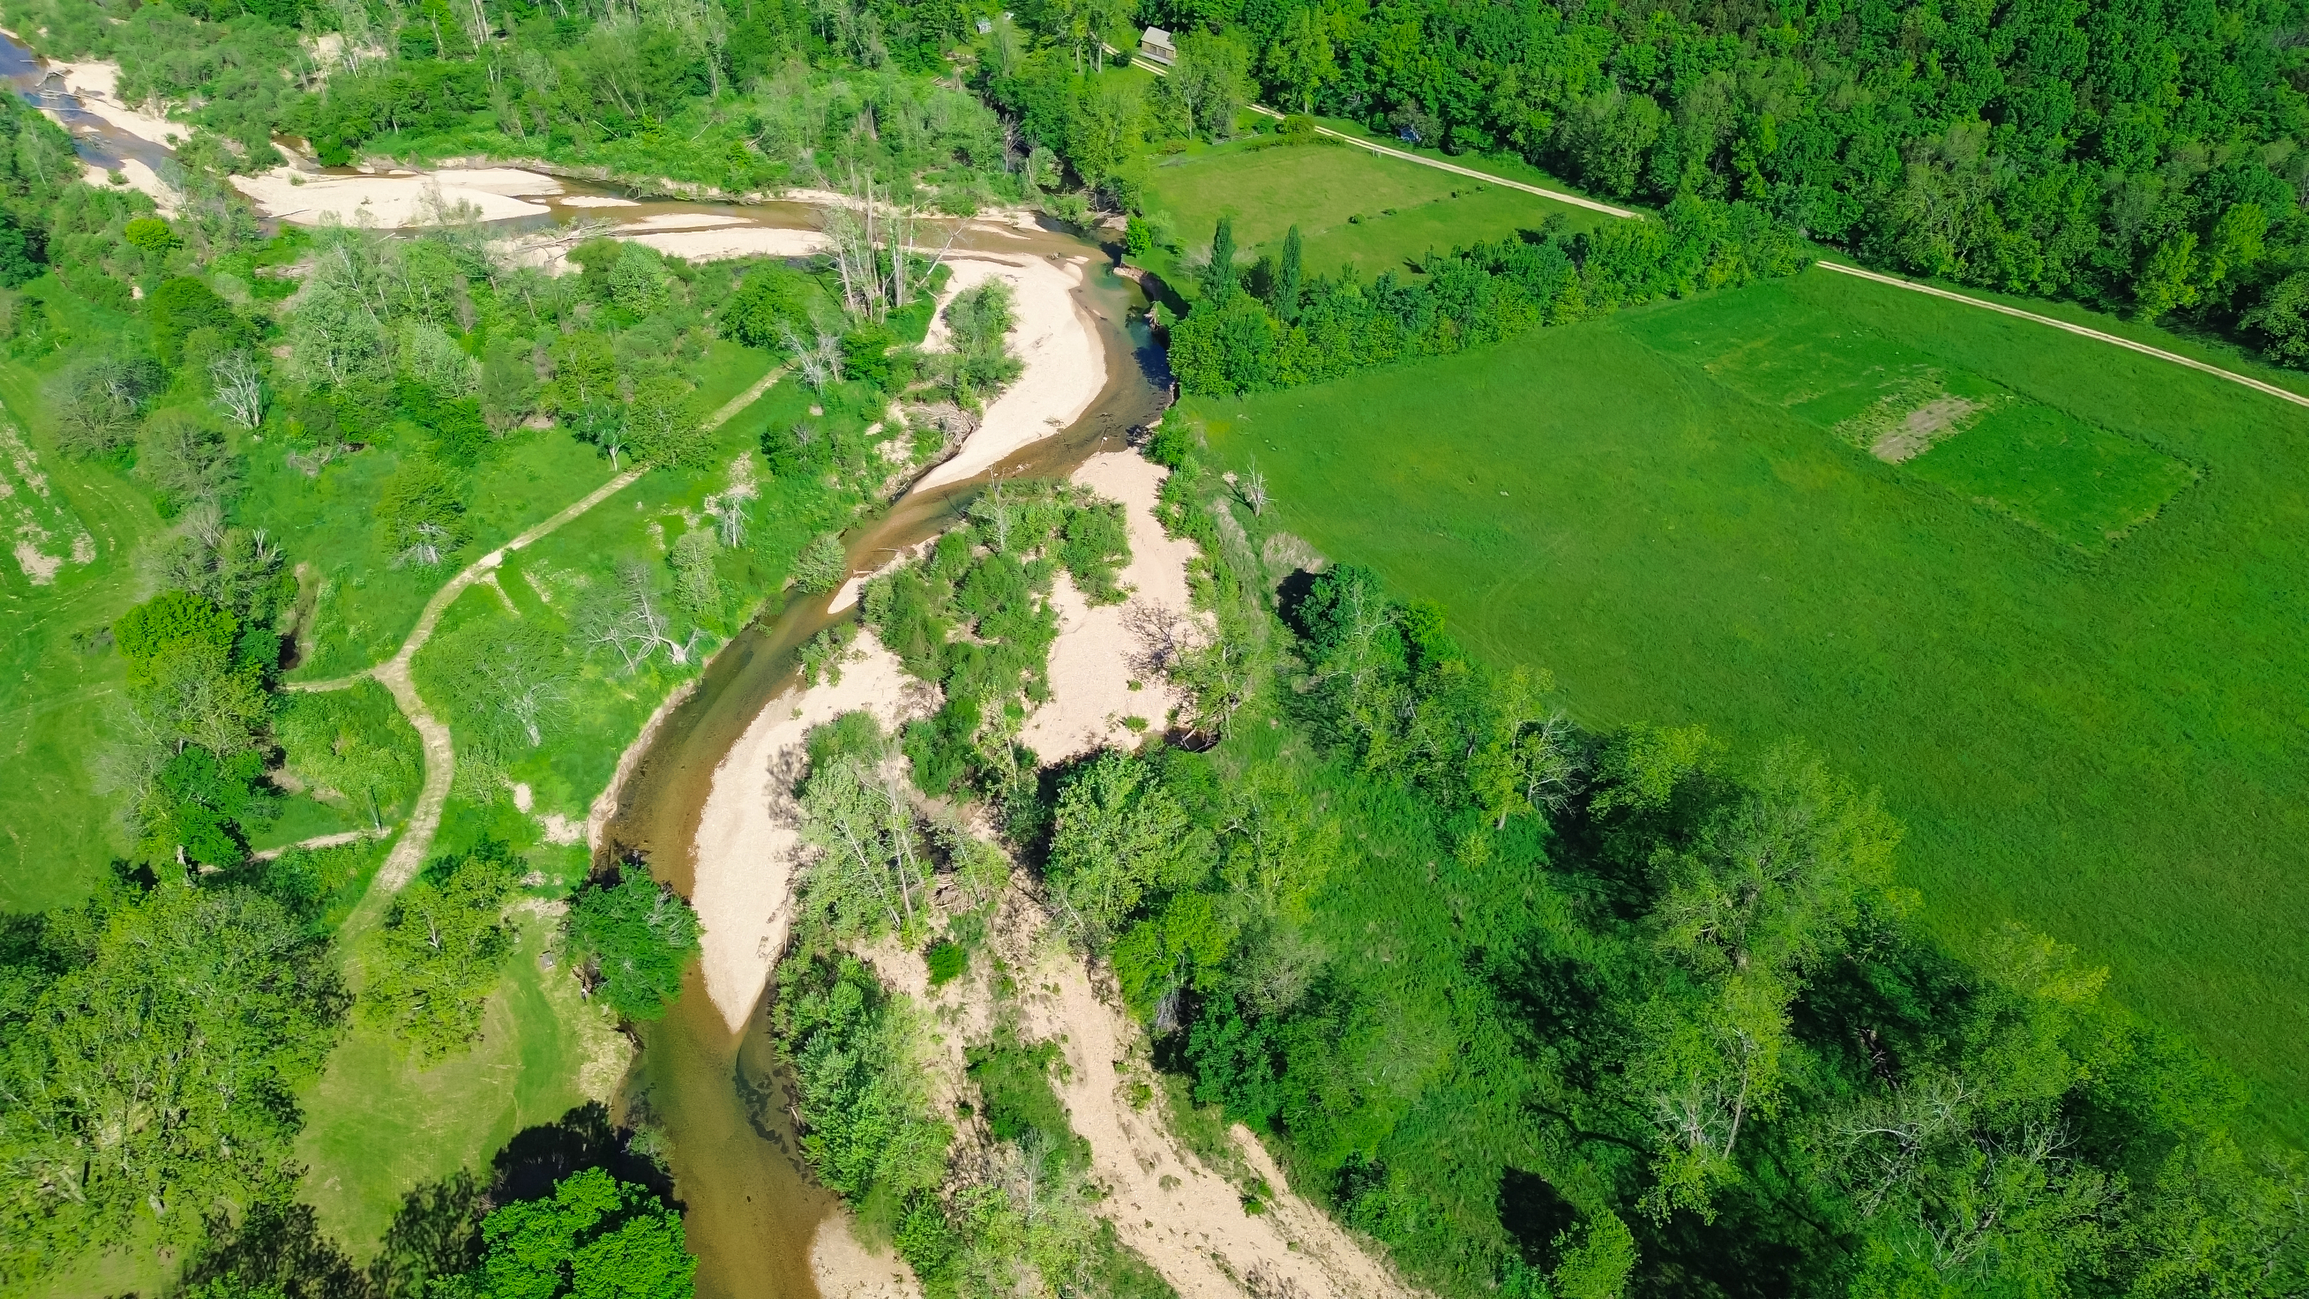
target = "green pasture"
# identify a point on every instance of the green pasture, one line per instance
(377, 1127)
(1674, 509)
(364, 605)
(61, 688)
(1352, 206)
(543, 589)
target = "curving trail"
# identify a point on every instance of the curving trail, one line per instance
(440, 753)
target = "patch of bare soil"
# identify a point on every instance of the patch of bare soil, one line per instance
(1942, 417)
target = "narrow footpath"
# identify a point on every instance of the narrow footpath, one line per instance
(394, 673)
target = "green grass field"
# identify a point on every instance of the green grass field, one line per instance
(1352, 207)
(59, 693)
(376, 1126)
(1672, 509)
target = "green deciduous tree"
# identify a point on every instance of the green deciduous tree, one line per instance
(636, 936)
(151, 1083)
(429, 969)
(595, 1238)
(1119, 833)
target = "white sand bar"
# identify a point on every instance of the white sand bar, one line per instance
(398, 200)
(747, 833)
(1090, 678)
(1057, 339)
(598, 200)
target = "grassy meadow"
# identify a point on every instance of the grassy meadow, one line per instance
(377, 1126)
(2062, 637)
(1352, 207)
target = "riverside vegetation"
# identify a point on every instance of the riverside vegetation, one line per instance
(1546, 1009)
(240, 466)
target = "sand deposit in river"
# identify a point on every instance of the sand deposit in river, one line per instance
(1055, 336)
(399, 199)
(1102, 653)
(747, 835)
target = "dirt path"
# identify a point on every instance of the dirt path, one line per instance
(440, 753)
(2081, 331)
(1438, 164)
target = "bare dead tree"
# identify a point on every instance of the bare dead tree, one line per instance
(522, 693)
(240, 388)
(633, 622)
(424, 549)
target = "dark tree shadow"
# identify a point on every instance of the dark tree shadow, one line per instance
(435, 1233)
(1534, 1213)
(276, 1245)
(538, 1157)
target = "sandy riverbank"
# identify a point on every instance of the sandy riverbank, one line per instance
(399, 199)
(1099, 649)
(1179, 1213)
(1056, 338)
(747, 833)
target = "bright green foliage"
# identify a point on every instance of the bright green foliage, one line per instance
(978, 323)
(596, 1238)
(822, 565)
(638, 936)
(421, 515)
(354, 742)
(170, 622)
(197, 808)
(149, 1049)
(429, 969)
(770, 302)
(870, 1135)
(1232, 342)
(872, 869)
(1119, 834)
(946, 961)
(180, 306)
(150, 234)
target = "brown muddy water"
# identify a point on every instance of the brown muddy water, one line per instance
(721, 1099)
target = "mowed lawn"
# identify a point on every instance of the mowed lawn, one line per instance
(2103, 736)
(1352, 207)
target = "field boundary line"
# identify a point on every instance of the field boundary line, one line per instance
(1559, 196)
(2084, 331)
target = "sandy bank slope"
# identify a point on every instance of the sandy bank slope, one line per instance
(746, 833)
(1057, 339)
(396, 200)
(1193, 1229)
(1090, 663)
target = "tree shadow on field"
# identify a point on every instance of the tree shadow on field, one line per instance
(436, 1233)
(537, 1158)
(275, 1246)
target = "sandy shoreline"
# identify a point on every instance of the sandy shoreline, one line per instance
(1090, 676)
(397, 200)
(1055, 337)
(747, 835)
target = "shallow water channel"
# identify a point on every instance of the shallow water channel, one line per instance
(751, 1208)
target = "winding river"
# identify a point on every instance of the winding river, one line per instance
(721, 1098)
(751, 1210)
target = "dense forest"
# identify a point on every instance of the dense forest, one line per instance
(2144, 157)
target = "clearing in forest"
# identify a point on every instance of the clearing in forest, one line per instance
(2058, 629)
(1351, 206)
